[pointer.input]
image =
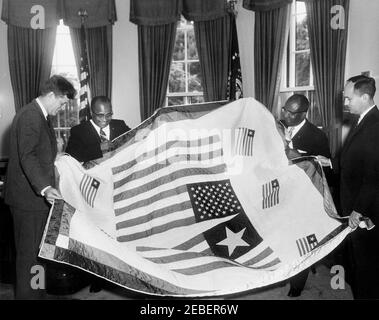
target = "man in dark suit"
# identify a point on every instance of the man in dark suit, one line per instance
(30, 179)
(303, 139)
(90, 139)
(303, 136)
(358, 166)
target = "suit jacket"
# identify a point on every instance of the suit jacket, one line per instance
(312, 140)
(84, 141)
(359, 168)
(33, 149)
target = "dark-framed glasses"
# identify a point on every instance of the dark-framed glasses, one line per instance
(292, 112)
(103, 115)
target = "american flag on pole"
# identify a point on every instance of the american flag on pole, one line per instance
(235, 75)
(84, 111)
(179, 213)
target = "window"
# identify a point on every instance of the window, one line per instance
(297, 73)
(64, 64)
(297, 69)
(184, 84)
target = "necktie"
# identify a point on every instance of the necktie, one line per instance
(103, 136)
(48, 122)
(289, 131)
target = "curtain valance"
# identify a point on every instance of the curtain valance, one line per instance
(23, 13)
(264, 5)
(159, 12)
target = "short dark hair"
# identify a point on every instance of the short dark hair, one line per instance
(301, 100)
(364, 84)
(100, 99)
(60, 86)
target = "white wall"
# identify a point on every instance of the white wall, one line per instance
(363, 40)
(125, 88)
(245, 31)
(7, 110)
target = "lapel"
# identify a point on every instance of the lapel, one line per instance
(366, 121)
(111, 131)
(92, 133)
(301, 132)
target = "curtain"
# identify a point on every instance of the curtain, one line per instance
(155, 48)
(30, 58)
(99, 41)
(264, 5)
(213, 46)
(156, 20)
(328, 54)
(271, 29)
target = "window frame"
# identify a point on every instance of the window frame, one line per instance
(61, 128)
(290, 49)
(185, 94)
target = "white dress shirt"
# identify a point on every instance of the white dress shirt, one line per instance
(106, 129)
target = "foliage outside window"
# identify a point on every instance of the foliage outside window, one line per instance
(184, 84)
(64, 64)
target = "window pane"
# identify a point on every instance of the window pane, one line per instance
(191, 43)
(300, 7)
(194, 77)
(68, 116)
(196, 99)
(179, 46)
(172, 101)
(303, 64)
(177, 80)
(302, 39)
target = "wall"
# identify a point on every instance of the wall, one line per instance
(7, 110)
(245, 31)
(125, 90)
(363, 40)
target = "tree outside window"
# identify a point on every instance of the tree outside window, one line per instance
(184, 84)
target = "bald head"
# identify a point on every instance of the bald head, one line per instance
(295, 110)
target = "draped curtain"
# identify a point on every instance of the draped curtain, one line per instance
(328, 54)
(30, 50)
(31, 41)
(30, 58)
(213, 46)
(99, 40)
(270, 32)
(155, 47)
(157, 21)
(98, 27)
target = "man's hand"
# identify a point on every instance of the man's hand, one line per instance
(105, 146)
(354, 219)
(325, 162)
(51, 194)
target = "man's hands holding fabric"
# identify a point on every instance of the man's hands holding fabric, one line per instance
(354, 219)
(52, 194)
(325, 162)
(105, 146)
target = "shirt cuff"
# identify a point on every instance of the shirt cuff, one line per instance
(43, 190)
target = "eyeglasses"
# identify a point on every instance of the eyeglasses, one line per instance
(102, 115)
(292, 112)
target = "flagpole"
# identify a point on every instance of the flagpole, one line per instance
(84, 111)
